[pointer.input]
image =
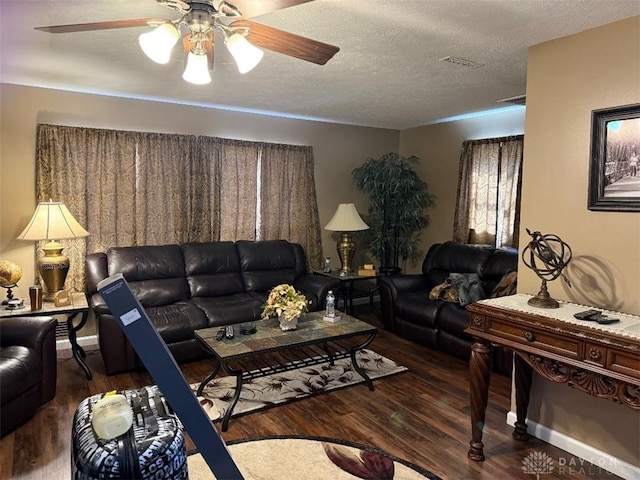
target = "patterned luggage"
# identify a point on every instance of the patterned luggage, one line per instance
(154, 447)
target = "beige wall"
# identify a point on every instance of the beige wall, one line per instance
(338, 149)
(438, 147)
(566, 80)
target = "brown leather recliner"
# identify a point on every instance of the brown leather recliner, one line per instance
(28, 368)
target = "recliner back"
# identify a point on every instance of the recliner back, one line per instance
(452, 257)
(212, 269)
(155, 273)
(268, 263)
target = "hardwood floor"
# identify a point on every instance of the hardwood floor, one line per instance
(421, 416)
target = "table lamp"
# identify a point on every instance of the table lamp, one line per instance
(346, 220)
(52, 221)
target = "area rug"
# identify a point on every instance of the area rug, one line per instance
(311, 458)
(266, 392)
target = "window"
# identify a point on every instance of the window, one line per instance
(488, 203)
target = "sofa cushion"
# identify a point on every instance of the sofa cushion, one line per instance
(155, 273)
(213, 269)
(266, 263)
(456, 257)
(506, 286)
(416, 308)
(177, 321)
(468, 287)
(236, 308)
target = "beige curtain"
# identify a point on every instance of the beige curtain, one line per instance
(234, 165)
(488, 203)
(289, 208)
(137, 188)
(69, 160)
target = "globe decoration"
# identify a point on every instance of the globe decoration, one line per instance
(547, 255)
(10, 275)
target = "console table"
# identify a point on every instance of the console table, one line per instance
(78, 306)
(600, 360)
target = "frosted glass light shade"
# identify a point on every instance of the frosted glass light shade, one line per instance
(246, 55)
(197, 70)
(346, 219)
(157, 44)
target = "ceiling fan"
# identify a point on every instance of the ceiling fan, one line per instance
(199, 19)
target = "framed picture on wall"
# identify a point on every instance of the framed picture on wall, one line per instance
(614, 174)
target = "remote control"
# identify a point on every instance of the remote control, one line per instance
(604, 320)
(220, 334)
(588, 315)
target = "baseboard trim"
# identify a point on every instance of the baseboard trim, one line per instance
(88, 341)
(598, 460)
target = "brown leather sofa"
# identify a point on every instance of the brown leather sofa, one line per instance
(195, 285)
(28, 368)
(407, 310)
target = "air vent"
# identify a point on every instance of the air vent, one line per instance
(462, 62)
(519, 100)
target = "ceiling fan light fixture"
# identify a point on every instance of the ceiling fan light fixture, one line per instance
(246, 55)
(157, 44)
(197, 70)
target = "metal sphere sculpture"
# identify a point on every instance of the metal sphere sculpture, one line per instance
(547, 255)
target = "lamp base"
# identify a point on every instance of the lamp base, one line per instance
(53, 268)
(346, 247)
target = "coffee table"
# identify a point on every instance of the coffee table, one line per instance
(271, 350)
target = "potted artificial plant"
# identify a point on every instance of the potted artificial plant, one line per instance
(398, 200)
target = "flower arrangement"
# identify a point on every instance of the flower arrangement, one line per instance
(285, 302)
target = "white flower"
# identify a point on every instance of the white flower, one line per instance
(284, 301)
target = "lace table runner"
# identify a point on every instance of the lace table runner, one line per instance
(629, 325)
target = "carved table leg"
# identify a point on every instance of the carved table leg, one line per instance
(479, 371)
(522, 380)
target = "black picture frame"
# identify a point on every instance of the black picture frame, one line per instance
(614, 172)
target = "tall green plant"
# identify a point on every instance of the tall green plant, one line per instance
(398, 200)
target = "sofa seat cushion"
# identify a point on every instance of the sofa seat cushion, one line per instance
(20, 370)
(241, 307)
(416, 308)
(177, 321)
(454, 319)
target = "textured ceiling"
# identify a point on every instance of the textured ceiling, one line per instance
(386, 74)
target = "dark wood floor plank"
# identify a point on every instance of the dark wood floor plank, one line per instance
(421, 415)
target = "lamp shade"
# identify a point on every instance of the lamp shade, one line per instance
(157, 44)
(197, 70)
(52, 221)
(246, 55)
(346, 219)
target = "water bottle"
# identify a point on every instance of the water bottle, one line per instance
(331, 305)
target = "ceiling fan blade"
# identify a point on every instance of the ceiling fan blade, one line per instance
(253, 8)
(287, 43)
(87, 27)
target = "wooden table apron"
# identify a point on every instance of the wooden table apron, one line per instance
(598, 361)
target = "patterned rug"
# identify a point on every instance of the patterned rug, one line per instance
(311, 458)
(272, 390)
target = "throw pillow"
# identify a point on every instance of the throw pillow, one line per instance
(468, 287)
(444, 291)
(506, 286)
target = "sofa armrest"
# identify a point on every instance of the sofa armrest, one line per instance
(30, 332)
(393, 285)
(317, 287)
